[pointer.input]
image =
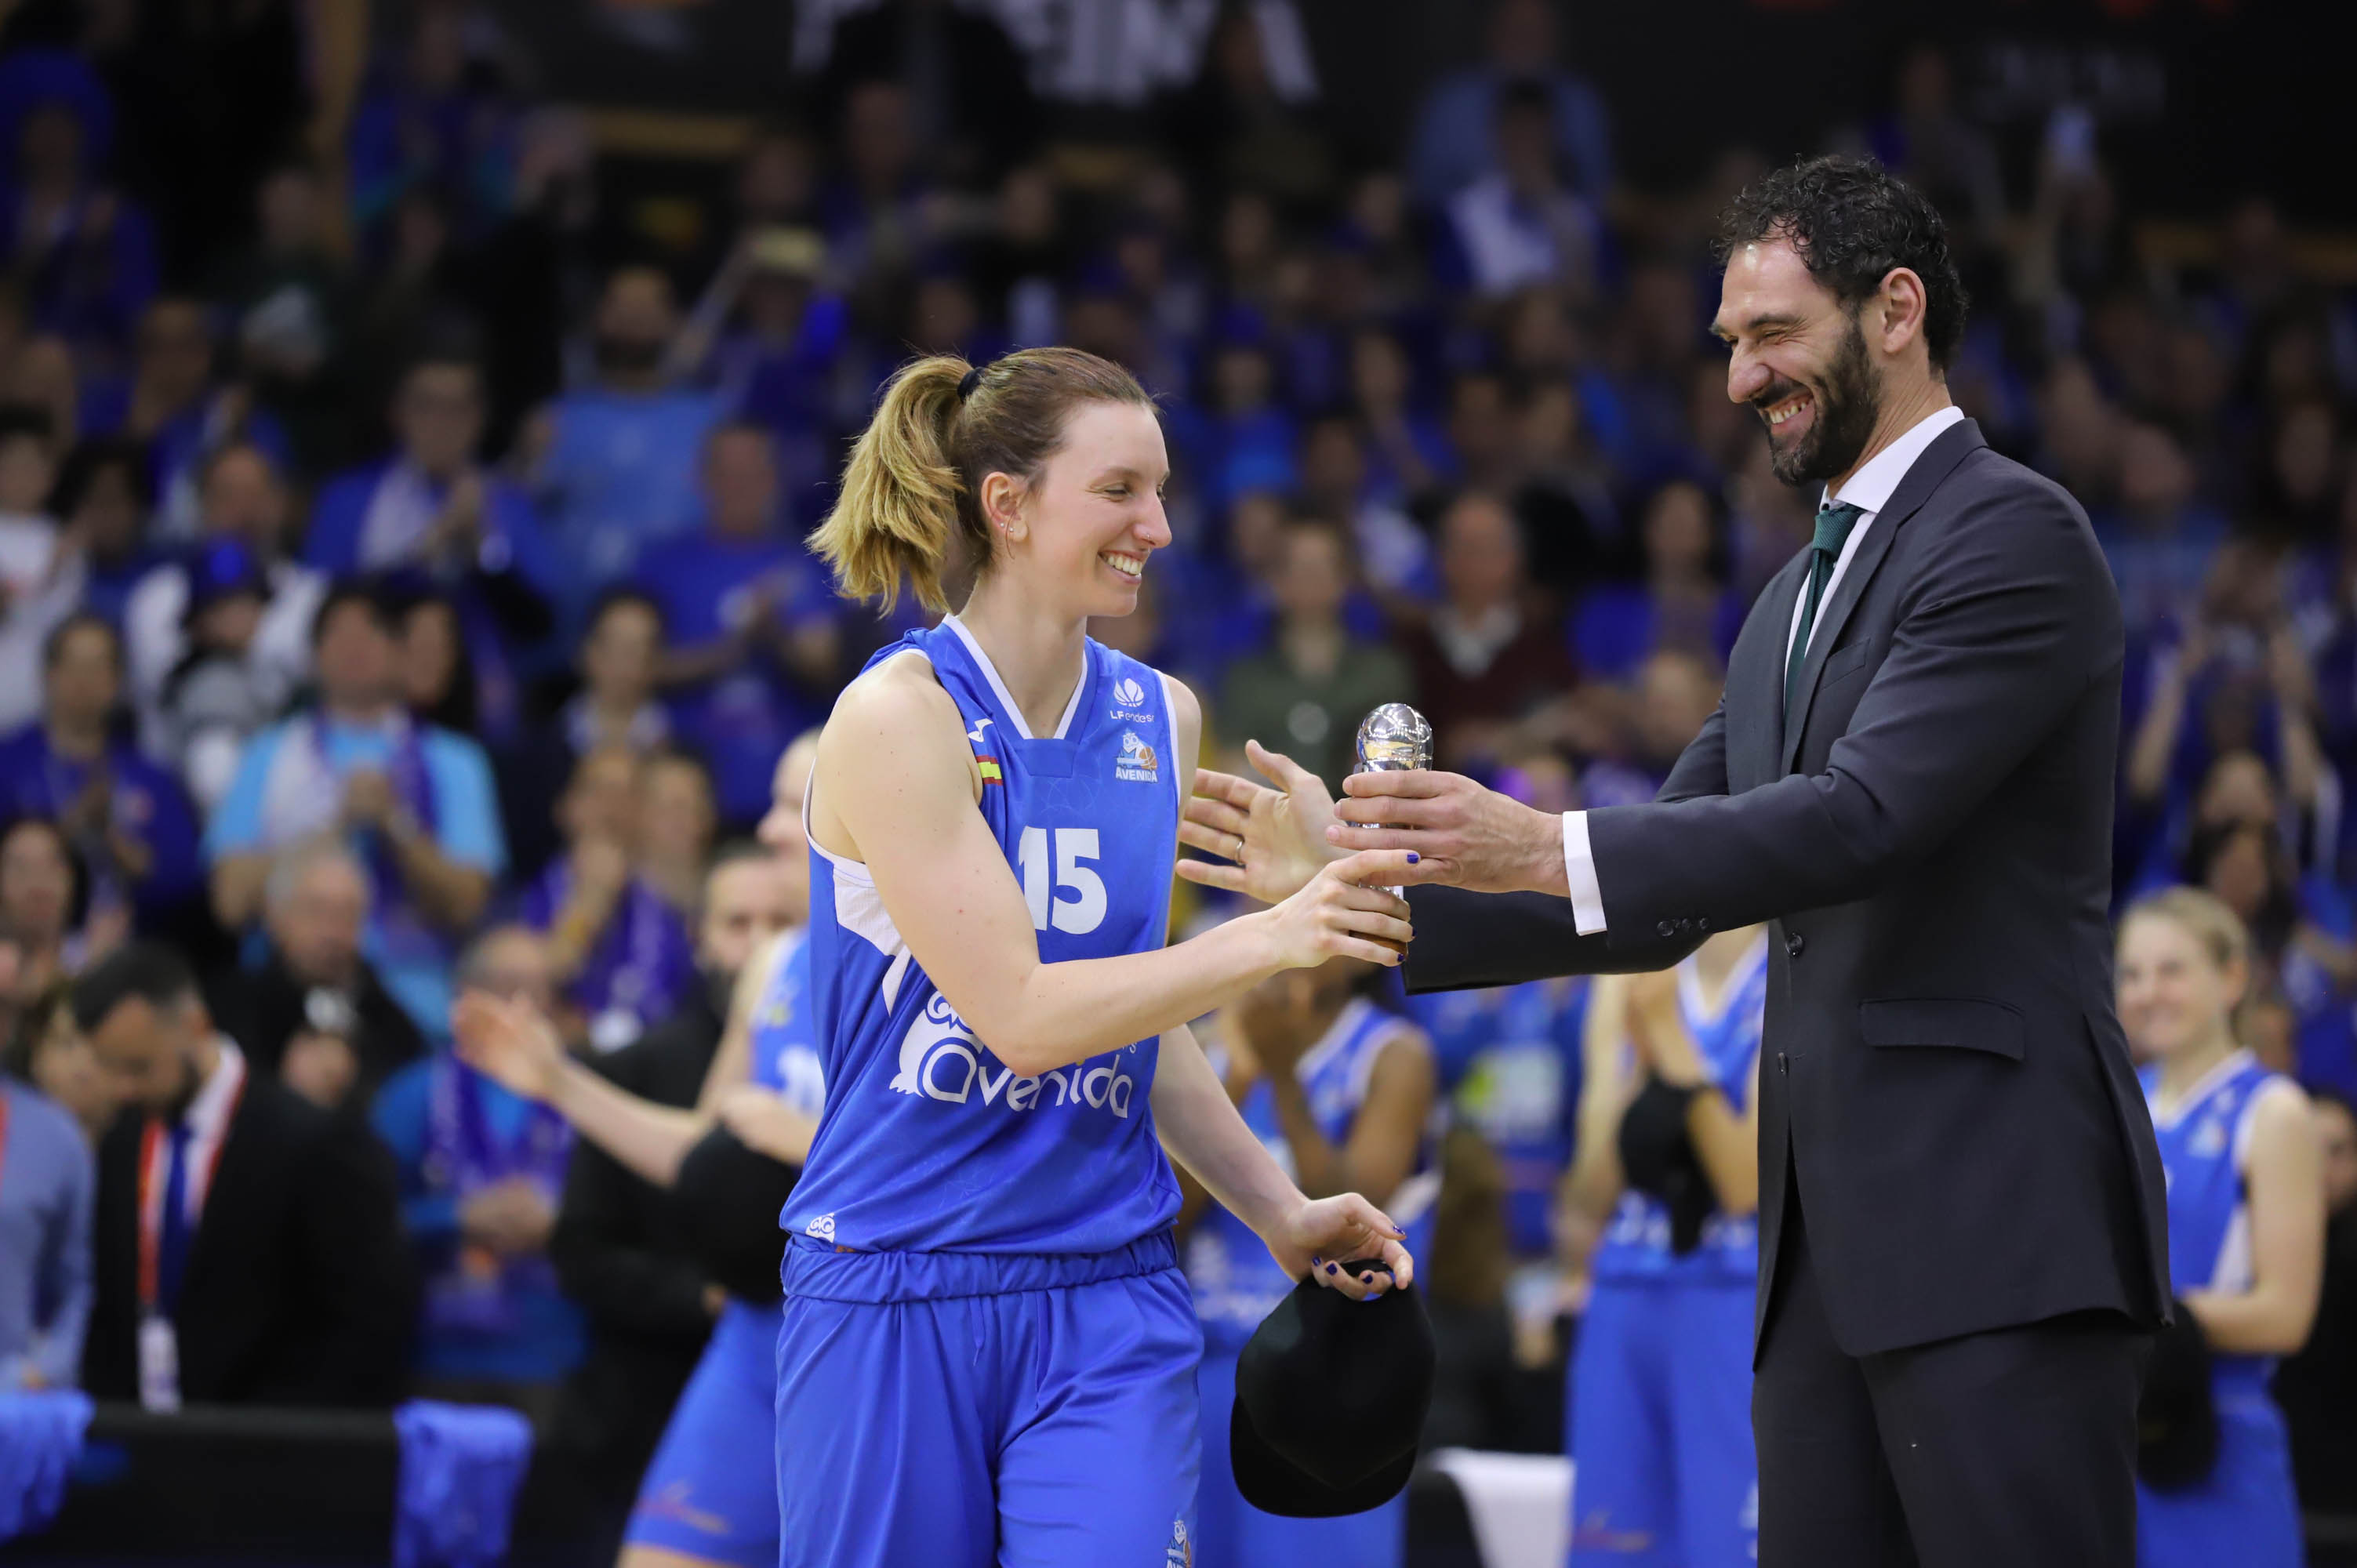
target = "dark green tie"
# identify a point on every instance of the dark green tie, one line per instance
(1834, 523)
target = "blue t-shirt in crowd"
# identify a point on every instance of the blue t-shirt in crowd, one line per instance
(621, 473)
(1617, 626)
(445, 781)
(709, 585)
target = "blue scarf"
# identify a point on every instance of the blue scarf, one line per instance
(468, 1291)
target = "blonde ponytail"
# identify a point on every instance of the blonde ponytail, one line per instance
(899, 513)
(912, 491)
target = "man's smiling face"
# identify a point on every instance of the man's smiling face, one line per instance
(1797, 358)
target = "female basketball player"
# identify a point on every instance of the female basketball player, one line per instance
(2246, 1222)
(709, 1495)
(1345, 1089)
(989, 1352)
(1660, 1407)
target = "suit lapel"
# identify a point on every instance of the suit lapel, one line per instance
(224, 1196)
(1938, 461)
(1759, 684)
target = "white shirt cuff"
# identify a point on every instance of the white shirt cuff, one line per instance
(1579, 875)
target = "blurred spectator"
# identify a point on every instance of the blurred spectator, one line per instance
(620, 656)
(276, 1276)
(102, 498)
(480, 1170)
(2160, 537)
(46, 1188)
(1247, 120)
(1408, 451)
(244, 505)
(751, 619)
(618, 1249)
(1521, 224)
(617, 464)
(434, 117)
(437, 674)
(1242, 438)
(1456, 131)
(48, 1050)
(129, 820)
(292, 298)
(1305, 695)
(968, 91)
(2317, 1387)
(1927, 141)
(619, 956)
(771, 341)
(677, 823)
(40, 582)
(218, 696)
(432, 513)
(1393, 550)
(84, 256)
(2301, 933)
(45, 906)
(1484, 663)
(1682, 602)
(1674, 694)
(417, 805)
(174, 406)
(312, 1013)
(1570, 521)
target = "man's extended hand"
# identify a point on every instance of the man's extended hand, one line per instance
(1273, 837)
(1463, 834)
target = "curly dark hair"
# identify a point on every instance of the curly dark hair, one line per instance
(1852, 221)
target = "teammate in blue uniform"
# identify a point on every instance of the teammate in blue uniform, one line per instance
(988, 1353)
(1509, 1069)
(1660, 1383)
(1342, 1092)
(709, 1495)
(2246, 1223)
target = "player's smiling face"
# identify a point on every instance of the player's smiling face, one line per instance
(1094, 515)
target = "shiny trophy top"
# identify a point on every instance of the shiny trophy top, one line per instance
(1393, 737)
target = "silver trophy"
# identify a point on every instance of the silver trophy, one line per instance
(1392, 739)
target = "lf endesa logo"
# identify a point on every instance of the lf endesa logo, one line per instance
(941, 1059)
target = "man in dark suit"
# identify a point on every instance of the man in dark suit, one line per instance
(248, 1249)
(1962, 1242)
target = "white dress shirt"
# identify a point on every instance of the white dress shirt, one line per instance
(1870, 489)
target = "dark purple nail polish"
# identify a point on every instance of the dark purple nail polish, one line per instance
(1333, 1268)
(1413, 857)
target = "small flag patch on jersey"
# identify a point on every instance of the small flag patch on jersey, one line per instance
(990, 773)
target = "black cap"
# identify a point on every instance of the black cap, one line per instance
(1330, 1399)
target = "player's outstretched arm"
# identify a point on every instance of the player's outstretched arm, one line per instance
(1202, 1131)
(896, 787)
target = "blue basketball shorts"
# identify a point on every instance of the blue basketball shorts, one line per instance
(1034, 1428)
(2243, 1512)
(1665, 1474)
(712, 1489)
(1234, 1535)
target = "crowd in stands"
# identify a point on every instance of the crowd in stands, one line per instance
(403, 588)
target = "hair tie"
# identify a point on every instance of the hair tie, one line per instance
(970, 381)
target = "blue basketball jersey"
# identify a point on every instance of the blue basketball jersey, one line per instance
(2203, 1140)
(1510, 1066)
(1636, 1243)
(1236, 1282)
(784, 1037)
(928, 1142)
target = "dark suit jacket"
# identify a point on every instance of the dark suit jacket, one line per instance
(623, 1257)
(1943, 1072)
(263, 1008)
(297, 1290)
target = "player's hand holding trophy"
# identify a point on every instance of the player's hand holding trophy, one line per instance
(1394, 737)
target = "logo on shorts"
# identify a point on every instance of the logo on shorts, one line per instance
(823, 1228)
(1182, 1550)
(1136, 760)
(941, 1059)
